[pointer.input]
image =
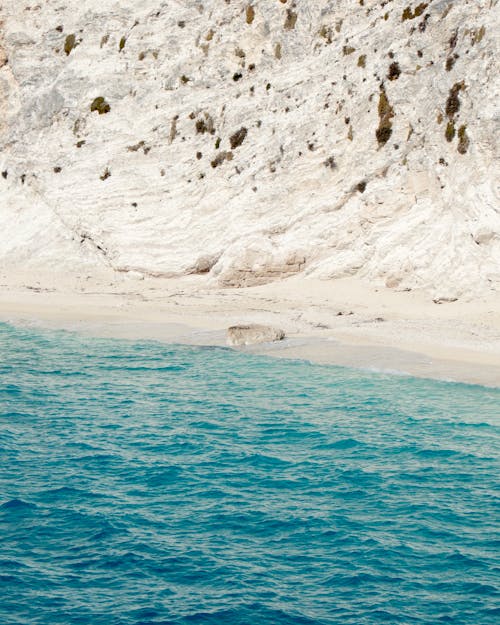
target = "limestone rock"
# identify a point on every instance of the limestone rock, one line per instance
(252, 334)
(330, 138)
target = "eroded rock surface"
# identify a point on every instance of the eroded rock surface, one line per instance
(252, 140)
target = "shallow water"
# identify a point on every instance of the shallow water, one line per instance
(149, 483)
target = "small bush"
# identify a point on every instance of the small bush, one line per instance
(100, 105)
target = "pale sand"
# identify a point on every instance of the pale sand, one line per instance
(388, 331)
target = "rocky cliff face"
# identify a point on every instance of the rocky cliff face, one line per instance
(252, 140)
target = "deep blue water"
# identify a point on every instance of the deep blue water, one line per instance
(143, 483)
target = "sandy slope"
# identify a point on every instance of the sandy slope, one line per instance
(347, 321)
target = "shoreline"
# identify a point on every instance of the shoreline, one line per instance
(344, 322)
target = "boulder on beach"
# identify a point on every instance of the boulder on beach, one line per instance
(253, 333)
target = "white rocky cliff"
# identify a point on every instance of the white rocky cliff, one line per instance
(252, 140)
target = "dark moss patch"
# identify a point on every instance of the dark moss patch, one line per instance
(449, 133)
(79, 144)
(385, 113)
(330, 163)
(199, 155)
(220, 158)
(122, 43)
(326, 33)
(100, 105)
(346, 50)
(453, 102)
(453, 40)
(250, 14)
(184, 79)
(57, 170)
(423, 24)
(70, 44)
(237, 138)
(383, 134)
(477, 35)
(106, 174)
(463, 140)
(290, 20)
(204, 125)
(5, 174)
(362, 61)
(139, 146)
(409, 14)
(394, 71)
(237, 76)
(217, 143)
(450, 62)
(420, 8)
(361, 186)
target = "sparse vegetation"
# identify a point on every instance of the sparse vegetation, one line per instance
(205, 124)
(290, 20)
(237, 138)
(385, 113)
(450, 62)
(138, 146)
(326, 33)
(463, 140)
(453, 101)
(394, 71)
(408, 14)
(449, 133)
(220, 158)
(100, 105)
(70, 44)
(250, 14)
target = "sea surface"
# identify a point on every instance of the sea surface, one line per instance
(145, 483)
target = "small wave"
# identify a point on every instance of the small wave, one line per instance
(66, 493)
(346, 443)
(17, 504)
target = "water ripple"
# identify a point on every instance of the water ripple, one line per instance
(148, 484)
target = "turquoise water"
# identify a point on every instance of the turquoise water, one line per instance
(143, 483)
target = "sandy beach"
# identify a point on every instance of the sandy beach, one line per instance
(344, 322)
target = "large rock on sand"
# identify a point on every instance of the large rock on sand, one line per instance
(253, 333)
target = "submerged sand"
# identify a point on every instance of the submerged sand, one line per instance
(344, 322)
